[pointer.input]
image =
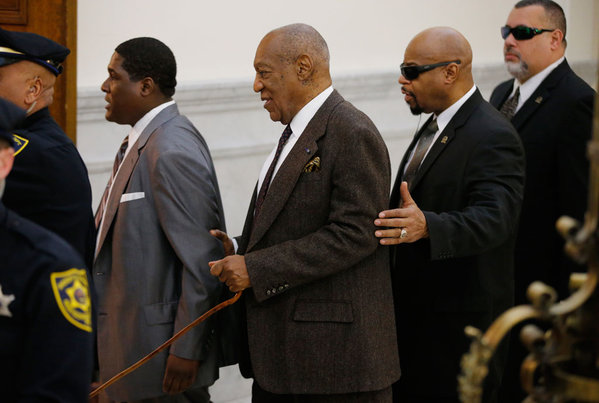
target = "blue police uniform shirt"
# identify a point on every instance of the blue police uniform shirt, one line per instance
(49, 184)
(46, 343)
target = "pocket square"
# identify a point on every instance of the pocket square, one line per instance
(313, 165)
(132, 196)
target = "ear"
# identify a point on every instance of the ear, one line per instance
(557, 39)
(304, 66)
(35, 87)
(451, 73)
(147, 86)
(6, 160)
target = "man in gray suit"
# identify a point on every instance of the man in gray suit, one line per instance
(319, 313)
(151, 267)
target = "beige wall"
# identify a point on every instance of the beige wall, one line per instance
(215, 40)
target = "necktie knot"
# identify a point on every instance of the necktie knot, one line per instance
(285, 135)
(508, 109)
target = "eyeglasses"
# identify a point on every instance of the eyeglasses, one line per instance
(522, 33)
(412, 72)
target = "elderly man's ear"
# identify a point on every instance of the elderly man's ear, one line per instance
(304, 66)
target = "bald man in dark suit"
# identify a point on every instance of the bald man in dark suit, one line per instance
(452, 219)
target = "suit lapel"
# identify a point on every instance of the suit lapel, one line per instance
(283, 183)
(502, 94)
(126, 169)
(447, 135)
(540, 95)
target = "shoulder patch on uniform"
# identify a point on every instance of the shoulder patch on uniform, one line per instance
(20, 143)
(71, 292)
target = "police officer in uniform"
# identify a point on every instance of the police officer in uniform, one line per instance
(45, 311)
(49, 183)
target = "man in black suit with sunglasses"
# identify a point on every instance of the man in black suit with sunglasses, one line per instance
(452, 219)
(551, 108)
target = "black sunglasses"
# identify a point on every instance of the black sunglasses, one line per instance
(522, 33)
(412, 72)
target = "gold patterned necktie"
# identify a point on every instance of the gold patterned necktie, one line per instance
(508, 109)
(424, 142)
(115, 167)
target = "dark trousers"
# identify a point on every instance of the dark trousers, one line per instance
(195, 395)
(259, 395)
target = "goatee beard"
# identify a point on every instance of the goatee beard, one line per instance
(519, 70)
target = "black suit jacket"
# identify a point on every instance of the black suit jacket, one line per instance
(555, 126)
(469, 188)
(320, 313)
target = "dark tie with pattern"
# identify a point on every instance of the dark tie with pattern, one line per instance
(268, 177)
(115, 167)
(426, 138)
(509, 107)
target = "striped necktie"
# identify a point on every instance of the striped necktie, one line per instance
(115, 167)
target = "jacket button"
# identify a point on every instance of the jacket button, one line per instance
(281, 288)
(267, 292)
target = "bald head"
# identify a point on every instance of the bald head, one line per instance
(435, 88)
(28, 85)
(440, 44)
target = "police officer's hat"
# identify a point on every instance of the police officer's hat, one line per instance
(17, 46)
(10, 116)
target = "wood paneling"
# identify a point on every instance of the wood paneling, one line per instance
(57, 20)
(13, 12)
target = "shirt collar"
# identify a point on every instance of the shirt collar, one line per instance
(530, 85)
(444, 117)
(304, 116)
(142, 123)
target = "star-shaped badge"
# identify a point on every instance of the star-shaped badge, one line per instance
(5, 301)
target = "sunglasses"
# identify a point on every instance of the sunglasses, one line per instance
(522, 33)
(412, 72)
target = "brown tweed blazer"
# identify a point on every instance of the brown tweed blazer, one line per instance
(320, 314)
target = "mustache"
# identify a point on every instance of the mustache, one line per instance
(406, 92)
(511, 51)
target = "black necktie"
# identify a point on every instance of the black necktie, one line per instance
(509, 107)
(266, 183)
(115, 167)
(426, 138)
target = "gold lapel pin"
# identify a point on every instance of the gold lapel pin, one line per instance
(539, 100)
(444, 140)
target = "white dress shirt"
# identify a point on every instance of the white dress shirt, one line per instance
(134, 134)
(531, 85)
(298, 124)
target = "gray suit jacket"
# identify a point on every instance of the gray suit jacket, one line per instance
(151, 271)
(320, 314)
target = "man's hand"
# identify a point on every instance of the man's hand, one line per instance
(179, 375)
(224, 238)
(406, 224)
(232, 271)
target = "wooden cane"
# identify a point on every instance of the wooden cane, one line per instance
(164, 345)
